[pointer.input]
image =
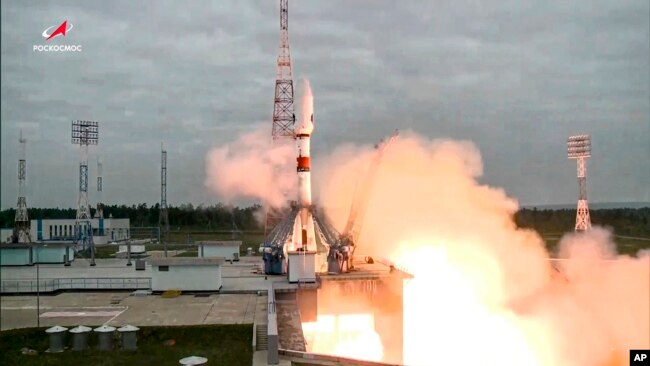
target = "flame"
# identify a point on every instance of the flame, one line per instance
(344, 335)
(449, 317)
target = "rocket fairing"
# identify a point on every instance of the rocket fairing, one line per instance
(304, 223)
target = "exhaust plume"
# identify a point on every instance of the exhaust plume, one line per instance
(252, 167)
(485, 291)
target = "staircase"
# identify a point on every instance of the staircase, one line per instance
(262, 337)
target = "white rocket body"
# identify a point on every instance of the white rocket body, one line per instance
(303, 233)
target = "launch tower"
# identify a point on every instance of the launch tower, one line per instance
(284, 117)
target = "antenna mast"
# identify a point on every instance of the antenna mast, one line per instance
(163, 217)
(99, 214)
(21, 222)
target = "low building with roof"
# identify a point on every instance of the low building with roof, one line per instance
(227, 249)
(186, 274)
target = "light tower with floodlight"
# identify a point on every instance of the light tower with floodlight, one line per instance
(84, 133)
(579, 148)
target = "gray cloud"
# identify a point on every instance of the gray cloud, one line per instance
(515, 77)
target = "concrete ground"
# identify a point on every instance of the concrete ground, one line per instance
(236, 303)
(119, 308)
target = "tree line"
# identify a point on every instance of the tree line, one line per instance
(624, 221)
(213, 218)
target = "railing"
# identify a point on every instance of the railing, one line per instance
(81, 283)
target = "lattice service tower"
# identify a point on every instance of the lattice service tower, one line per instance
(283, 111)
(84, 133)
(163, 217)
(579, 148)
(99, 213)
(284, 116)
(21, 222)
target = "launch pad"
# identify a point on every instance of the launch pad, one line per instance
(362, 308)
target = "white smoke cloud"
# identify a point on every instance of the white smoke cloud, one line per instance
(483, 288)
(252, 167)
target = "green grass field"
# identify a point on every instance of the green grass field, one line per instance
(220, 344)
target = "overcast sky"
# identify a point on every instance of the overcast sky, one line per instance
(516, 77)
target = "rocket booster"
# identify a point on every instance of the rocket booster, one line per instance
(303, 136)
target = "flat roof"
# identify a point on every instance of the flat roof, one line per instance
(187, 261)
(222, 243)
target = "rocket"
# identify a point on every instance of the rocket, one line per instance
(304, 235)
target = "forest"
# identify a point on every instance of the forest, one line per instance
(624, 221)
(186, 216)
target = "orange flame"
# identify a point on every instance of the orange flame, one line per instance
(344, 335)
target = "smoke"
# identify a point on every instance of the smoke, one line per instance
(252, 167)
(485, 292)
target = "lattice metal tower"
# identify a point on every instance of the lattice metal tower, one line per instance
(283, 112)
(99, 214)
(84, 133)
(284, 116)
(163, 217)
(21, 223)
(579, 148)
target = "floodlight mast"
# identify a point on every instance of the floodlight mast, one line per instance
(579, 148)
(84, 133)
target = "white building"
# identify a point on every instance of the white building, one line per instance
(29, 254)
(186, 274)
(63, 230)
(229, 250)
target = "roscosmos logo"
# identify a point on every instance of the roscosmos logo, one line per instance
(59, 31)
(54, 31)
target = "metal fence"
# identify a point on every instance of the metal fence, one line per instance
(82, 283)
